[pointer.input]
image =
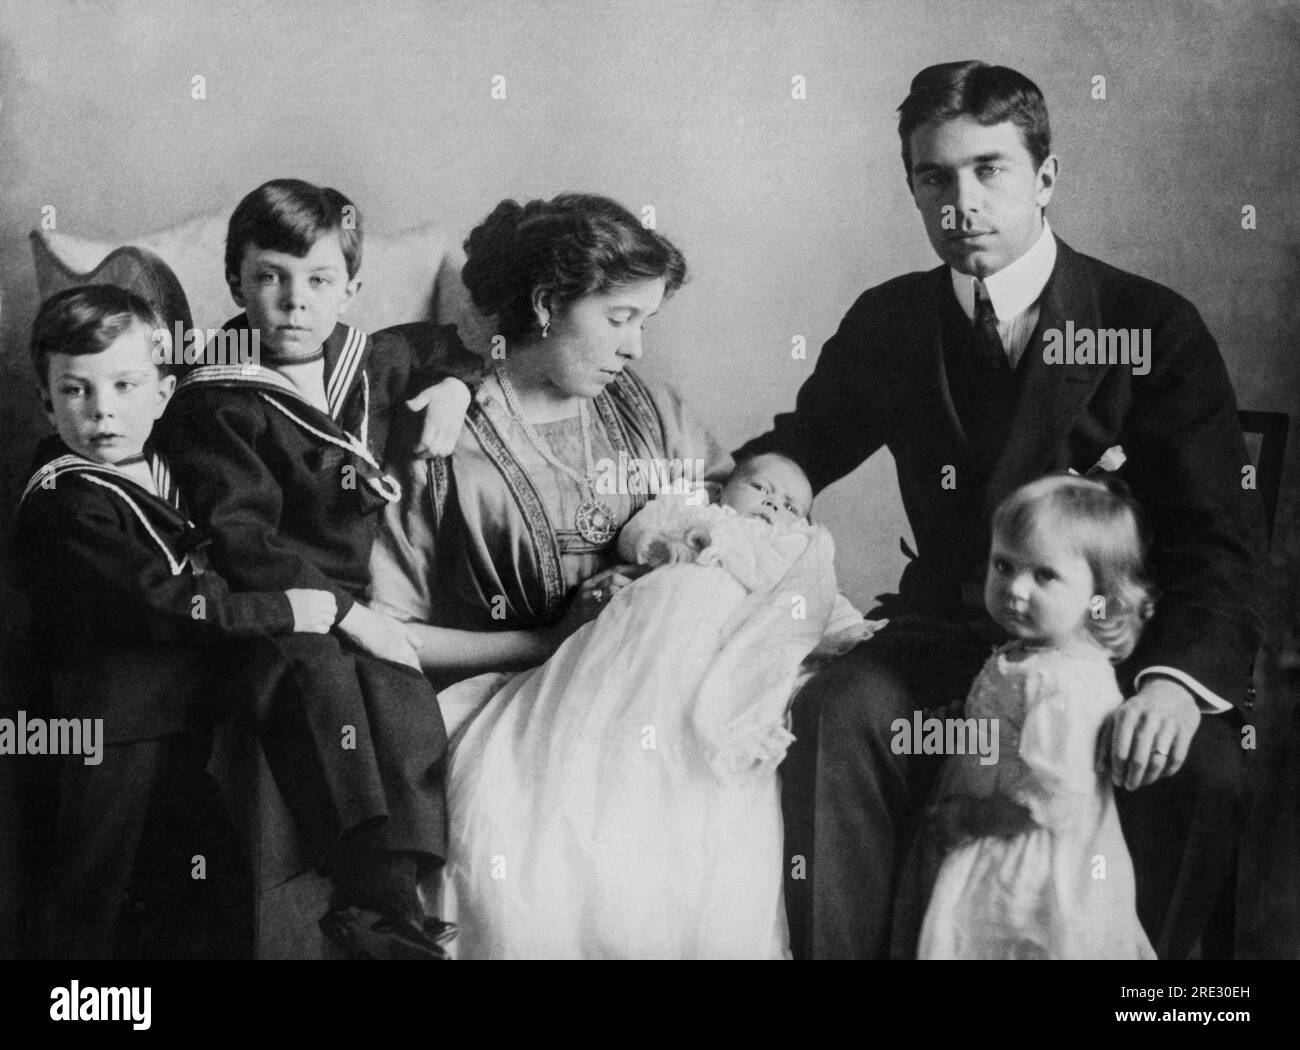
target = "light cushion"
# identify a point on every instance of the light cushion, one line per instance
(408, 276)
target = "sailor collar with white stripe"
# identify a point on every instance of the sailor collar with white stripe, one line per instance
(47, 475)
(107, 476)
(343, 363)
(345, 352)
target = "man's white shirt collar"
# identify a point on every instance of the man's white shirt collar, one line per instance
(1014, 288)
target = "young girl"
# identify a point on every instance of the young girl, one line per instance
(621, 801)
(1037, 866)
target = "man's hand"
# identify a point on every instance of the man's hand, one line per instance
(379, 635)
(1148, 736)
(444, 405)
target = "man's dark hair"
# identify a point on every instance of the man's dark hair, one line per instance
(990, 94)
(289, 215)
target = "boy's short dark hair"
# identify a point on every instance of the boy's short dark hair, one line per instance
(990, 94)
(289, 215)
(87, 320)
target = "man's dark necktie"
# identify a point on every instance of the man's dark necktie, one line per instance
(988, 344)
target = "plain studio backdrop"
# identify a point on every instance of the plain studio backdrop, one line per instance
(786, 207)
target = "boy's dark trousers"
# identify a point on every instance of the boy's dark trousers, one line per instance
(128, 831)
(352, 742)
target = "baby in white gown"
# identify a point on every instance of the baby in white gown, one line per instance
(621, 801)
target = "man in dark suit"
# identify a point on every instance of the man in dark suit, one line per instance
(1004, 364)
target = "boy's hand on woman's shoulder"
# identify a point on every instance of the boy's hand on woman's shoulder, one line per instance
(444, 405)
(379, 635)
(313, 611)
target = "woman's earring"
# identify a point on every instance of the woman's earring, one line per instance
(546, 328)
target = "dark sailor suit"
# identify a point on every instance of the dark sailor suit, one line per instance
(288, 493)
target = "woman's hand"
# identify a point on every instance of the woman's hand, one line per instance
(591, 596)
(379, 635)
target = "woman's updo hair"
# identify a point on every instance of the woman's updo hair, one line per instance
(575, 245)
(1100, 521)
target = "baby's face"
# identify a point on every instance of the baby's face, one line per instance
(768, 487)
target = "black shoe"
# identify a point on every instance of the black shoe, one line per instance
(375, 880)
(367, 935)
(442, 932)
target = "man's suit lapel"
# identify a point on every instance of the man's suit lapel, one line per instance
(1051, 395)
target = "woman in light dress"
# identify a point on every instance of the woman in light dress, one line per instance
(620, 800)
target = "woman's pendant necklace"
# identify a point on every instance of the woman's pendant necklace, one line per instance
(594, 519)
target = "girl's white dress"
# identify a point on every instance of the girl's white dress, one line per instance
(1065, 889)
(621, 800)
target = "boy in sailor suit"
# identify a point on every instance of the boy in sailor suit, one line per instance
(130, 626)
(282, 462)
